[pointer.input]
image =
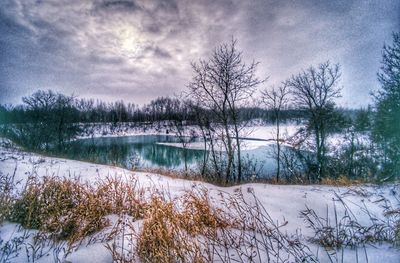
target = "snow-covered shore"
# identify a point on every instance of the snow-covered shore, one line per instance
(282, 202)
(259, 134)
(256, 130)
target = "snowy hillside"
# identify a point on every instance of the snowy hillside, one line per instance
(283, 206)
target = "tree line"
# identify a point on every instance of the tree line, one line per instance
(159, 109)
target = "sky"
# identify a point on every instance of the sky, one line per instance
(137, 50)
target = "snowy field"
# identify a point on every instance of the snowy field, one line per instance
(282, 202)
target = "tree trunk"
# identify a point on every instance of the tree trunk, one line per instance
(278, 157)
(319, 154)
(239, 179)
(230, 154)
(205, 155)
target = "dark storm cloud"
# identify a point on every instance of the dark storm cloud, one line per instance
(138, 49)
(119, 5)
(96, 59)
(157, 52)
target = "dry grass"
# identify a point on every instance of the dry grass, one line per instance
(71, 210)
(191, 175)
(122, 196)
(161, 238)
(7, 196)
(392, 214)
(65, 208)
(169, 234)
(342, 181)
(191, 229)
(199, 216)
(66, 212)
(345, 231)
(337, 181)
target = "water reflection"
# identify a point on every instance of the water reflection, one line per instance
(133, 151)
(145, 151)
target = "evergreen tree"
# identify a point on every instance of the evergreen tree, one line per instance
(387, 121)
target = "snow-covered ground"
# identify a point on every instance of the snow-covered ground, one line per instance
(95, 130)
(261, 131)
(282, 202)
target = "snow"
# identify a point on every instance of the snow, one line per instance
(261, 134)
(268, 132)
(255, 136)
(282, 202)
(95, 130)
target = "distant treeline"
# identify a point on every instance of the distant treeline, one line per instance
(160, 109)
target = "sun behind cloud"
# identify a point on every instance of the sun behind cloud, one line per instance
(130, 42)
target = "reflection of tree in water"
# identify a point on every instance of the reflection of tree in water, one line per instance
(115, 154)
(143, 151)
(167, 156)
(130, 152)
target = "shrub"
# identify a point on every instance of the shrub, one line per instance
(71, 210)
(63, 207)
(7, 197)
(160, 240)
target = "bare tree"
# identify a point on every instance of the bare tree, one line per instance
(222, 85)
(315, 89)
(50, 121)
(203, 122)
(276, 100)
(179, 125)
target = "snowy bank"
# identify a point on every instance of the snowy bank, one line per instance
(282, 202)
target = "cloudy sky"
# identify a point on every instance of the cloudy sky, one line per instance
(136, 50)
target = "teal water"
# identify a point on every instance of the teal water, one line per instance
(147, 151)
(132, 151)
